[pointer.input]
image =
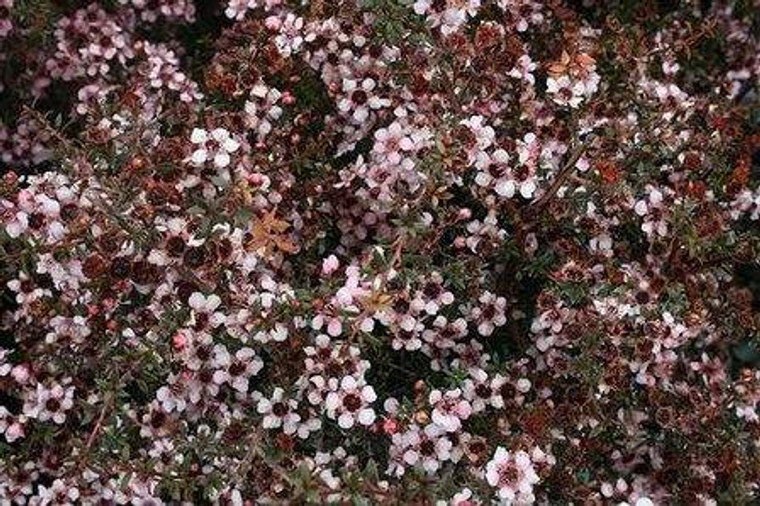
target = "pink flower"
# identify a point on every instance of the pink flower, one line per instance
(239, 369)
(489, 314)
(449, 409)
(279, 412)
(50, 403)
(350, 403)
(330, 265)
(426, 448)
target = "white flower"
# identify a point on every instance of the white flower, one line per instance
(565, 91)
(221, 160)
(484, 134)
(198, 136)
(279, 412)
(505, 188)
(217, 145)
(513, 474)
(199, 156)
(204, 309)
(169, 400)
(289, 39)
(527, 188)
(421, 7)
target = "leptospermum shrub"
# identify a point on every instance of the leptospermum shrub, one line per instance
(445, 252)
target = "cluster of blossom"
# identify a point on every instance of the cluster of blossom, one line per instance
(163, 71)
(436, 251)
(570, 83)
(88, 43)
(6, 24)
(151, 10)
(262, 109)
(237, 9)
(449, 17)
(26, 143)
(746, 203)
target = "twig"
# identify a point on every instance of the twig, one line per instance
(98, 424)
(95, 431)
(537, 207)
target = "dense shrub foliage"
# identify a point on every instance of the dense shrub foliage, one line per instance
(448, 252)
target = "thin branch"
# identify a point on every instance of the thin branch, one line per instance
(538, 206)
(98, 424)
(95, 431)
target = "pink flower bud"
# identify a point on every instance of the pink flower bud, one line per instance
(20, 373)
(273, 23)
(330, 265)
(14, 431)
(179, 341)
(10, 178)
(390, 426)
